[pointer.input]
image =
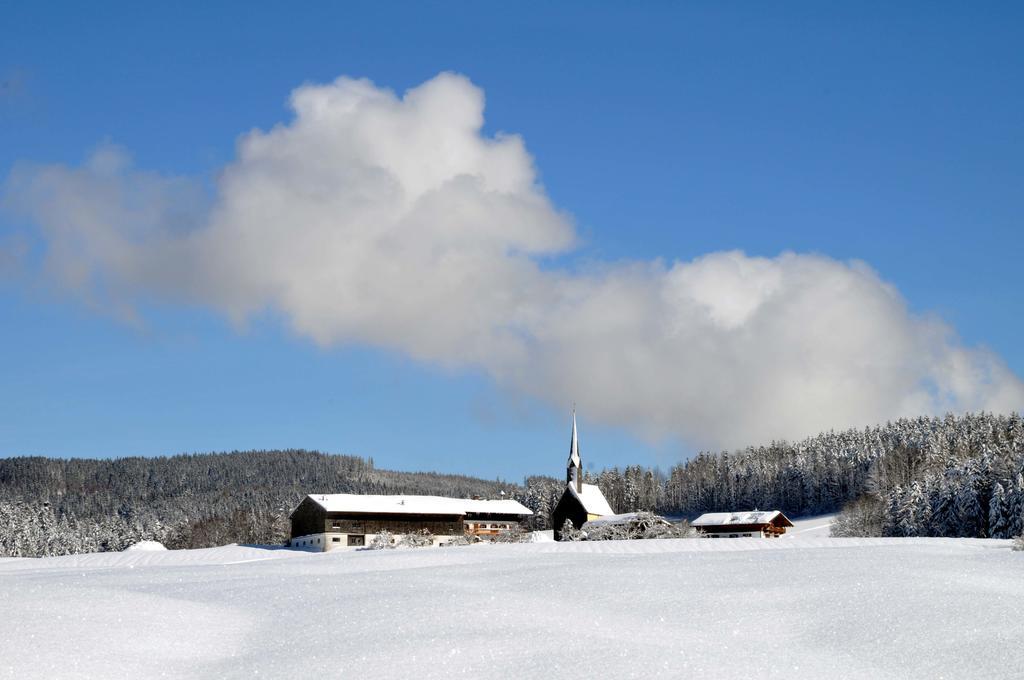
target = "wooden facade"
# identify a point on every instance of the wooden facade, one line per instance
(773, 526)
(767, 530)
(314, 526)
(486, 524)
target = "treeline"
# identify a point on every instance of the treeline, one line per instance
(53, 506)
(976, 496)
(951, 476)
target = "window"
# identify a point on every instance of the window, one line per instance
(336, 539)
(357, 539)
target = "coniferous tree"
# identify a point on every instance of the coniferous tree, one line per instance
(1015, 507)
(970, 517)
(998, 522)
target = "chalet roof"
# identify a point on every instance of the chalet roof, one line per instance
(591, 499)
(415, 505)
(714, 519)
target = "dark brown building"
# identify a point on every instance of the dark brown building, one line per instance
(327, 521)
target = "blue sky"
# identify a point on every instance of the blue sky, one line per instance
(887, 134)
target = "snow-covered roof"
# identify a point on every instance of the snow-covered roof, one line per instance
(713, 519)
(415, 505)
(592, 499)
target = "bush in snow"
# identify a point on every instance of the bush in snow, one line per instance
(146, 546)
(608, 532)
(418, 539)
(516, 535)
(456, 541)
(1018, 543)
(382, 541)
(571, 533)
(638, 525)
(862, 517)
(672, 530)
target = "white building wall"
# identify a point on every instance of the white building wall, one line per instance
(326, 542)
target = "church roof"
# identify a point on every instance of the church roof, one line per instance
(591, 498)
(415, 505)
(714, 519)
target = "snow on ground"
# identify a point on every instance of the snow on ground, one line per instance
(727, 608)
(153, 546)
(810, 527)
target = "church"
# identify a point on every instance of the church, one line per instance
(579, 502)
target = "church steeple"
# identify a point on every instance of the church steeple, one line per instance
(574, 467)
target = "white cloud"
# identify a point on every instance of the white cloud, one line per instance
(393, 221)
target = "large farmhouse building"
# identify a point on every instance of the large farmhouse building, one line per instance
(324, 522)
(756, 524)
(580, 503)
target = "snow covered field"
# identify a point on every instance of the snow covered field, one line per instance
(810, 527)
(808, 607)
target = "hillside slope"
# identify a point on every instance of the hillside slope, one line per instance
(52, 506)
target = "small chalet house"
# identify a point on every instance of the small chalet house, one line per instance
(325, 522)
(580, 502)
(756, 524)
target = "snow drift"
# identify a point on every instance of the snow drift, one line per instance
(731, 608)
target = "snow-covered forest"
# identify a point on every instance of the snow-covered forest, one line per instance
(951, 476)
(55, 507)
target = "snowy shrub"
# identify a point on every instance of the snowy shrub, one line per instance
(862, 517)
(382, 541)
(673, 530)
(1018, 543)
(386, 540)
(456, 541)
(639, 525)
(516, 535)
(608, 532)
(569, 532)
(418, 539)
(146, 546)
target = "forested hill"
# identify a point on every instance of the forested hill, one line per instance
(950, 476)
(188, 500)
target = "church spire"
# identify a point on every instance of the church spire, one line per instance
(574, 467)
